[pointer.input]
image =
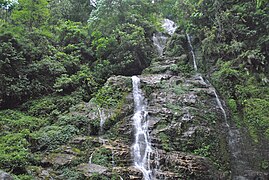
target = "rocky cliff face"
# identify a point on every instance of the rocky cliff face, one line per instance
(186, 128)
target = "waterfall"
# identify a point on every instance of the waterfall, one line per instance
(102, 119)
(169, 26)
(192, 53)
(90, 158)
(142, 146)
(159, 39)
(221, 107)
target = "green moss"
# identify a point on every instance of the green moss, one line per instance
(180, 89)
(24, 177)
(165, 141)
(97, 176)
(102, 156)
(232, 105)
(203, 151)
(117, 112)
(161, 126)
(257, 117)
(265, 164)
(71, 174)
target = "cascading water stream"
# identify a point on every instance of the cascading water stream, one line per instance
(192, 53)
(102, 119)
(159, 39)
(142, 146)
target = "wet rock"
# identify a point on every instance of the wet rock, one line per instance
(41, 173)
(78, 140)
(89, 169)
(58, 159)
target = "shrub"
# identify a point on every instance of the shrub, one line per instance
(14, 152)
(49, 106)
(50, 137)
(15, 121)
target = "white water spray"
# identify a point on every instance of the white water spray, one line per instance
(142, 146)
(159, 41)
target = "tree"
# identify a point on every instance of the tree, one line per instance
(74, 10)
(6, 7)
(31, 13)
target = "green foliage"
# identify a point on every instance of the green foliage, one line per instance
(49, 106)
(24, 177)
(165, 141)
(102, 156)
(71, 32)
(15, 121)
(232, 105)
(257, 117)
(74, 10)
(81, 122)
(14, 151)
(227, 78)
(71, 174)
(83, 77)
(264, 164)
(125, 46)
(108, 96)
(97, 176)
(31, 13)
(203, 151)
(50, 137)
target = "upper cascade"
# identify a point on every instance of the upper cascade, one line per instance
(160, 39)
(169, 26)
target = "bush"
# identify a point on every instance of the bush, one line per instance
(51, 137)
(49, 106)
(80, 121)
(15, 121)
(14, 152)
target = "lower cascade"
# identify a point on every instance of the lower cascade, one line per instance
(141, 147)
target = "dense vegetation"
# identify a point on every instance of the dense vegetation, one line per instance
(56, 54)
